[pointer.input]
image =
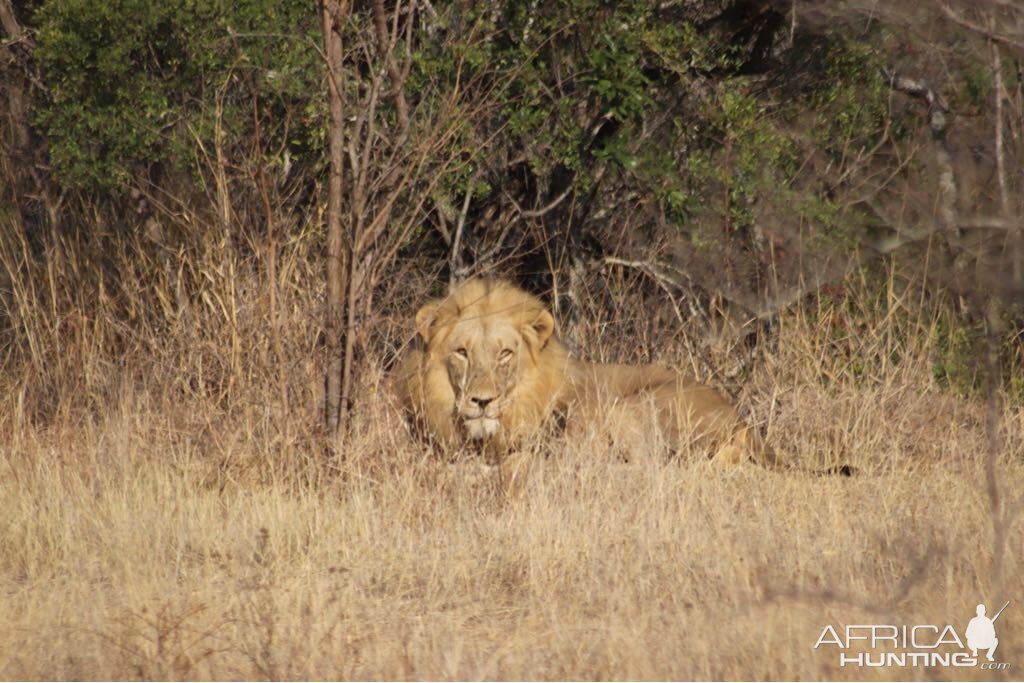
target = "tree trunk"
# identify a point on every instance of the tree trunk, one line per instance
(335, 12)
(26, 187)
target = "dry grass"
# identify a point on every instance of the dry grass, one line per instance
(182, 522)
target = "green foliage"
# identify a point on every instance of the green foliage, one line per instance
(137, 85)
(135, 82)
(743, 155)
(838, 224)
(613, 74)
(958, 363)
(962, 348)
(725, 151)
(975, 91)
(852, 105)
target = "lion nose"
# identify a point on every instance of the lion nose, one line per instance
(481, 401)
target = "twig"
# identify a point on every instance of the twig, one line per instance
(537, 213)
(442, 221)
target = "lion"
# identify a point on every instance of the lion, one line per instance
(489, 373)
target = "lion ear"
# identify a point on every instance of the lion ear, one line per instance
(425, 318)
(543, 326)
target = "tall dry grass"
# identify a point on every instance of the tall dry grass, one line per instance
(167, 510)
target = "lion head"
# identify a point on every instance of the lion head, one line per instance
(490, 370)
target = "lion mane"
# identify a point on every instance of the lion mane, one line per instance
(488, 371)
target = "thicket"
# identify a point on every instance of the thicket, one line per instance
(168, 171)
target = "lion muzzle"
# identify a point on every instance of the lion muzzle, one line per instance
(481, 428)
(480, 417)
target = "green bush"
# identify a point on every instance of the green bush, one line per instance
(133, 83)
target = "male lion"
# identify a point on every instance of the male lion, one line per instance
(490, 372)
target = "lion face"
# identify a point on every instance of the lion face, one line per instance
(483, 371)
(486, 350)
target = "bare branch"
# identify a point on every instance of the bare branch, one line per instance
(453, 257)
(992, 223)
(10, 24)
(443, 216)
(991, 34)
(538, 213)
(997, 70)
(385, 49)
(334, 14)
(651, 270)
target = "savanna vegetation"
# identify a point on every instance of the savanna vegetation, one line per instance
(218, 219)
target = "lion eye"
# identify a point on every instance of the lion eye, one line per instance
(461, 352)
(505, 356)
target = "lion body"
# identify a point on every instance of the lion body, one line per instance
(491, 373)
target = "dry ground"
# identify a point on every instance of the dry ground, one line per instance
(168, 538)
